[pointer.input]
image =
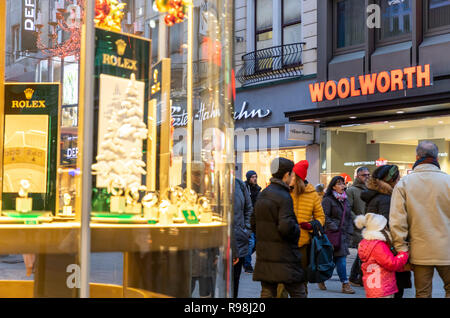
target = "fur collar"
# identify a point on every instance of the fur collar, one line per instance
(379, 186)
(375, 235)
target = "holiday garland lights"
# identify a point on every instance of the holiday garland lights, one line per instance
(109, 14)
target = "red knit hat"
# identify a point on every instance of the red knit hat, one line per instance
(301, 169)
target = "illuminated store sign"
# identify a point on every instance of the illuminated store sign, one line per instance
(382, 82)
(119, 61)
(244, 114)
(28, 103)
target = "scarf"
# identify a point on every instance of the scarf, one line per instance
(427, 160)
(281, 183)
(340, 197)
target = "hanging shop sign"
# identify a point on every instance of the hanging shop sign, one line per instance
(299, 132)
(383, 82)
(28, 25)
(30, 146)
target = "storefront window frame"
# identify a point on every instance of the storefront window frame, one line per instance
(429, 32)
(393, 39)
(347, 49)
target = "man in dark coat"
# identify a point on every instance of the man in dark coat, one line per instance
(278, 258)
(254, 189)
(241, 230)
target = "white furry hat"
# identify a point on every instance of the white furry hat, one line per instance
(373, 224)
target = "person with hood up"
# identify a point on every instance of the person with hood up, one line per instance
(254, 189)
(378, 200)
(307, 207)
(378, 262)
(278, 257)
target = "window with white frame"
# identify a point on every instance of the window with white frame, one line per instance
(264, 24)
(292, 13)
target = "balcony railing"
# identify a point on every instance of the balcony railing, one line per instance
(272, 63)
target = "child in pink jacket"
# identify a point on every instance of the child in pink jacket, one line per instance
(378, 262)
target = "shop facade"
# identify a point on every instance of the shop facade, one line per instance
(276, 60)
(379, 91)
(262, 133)
(117, 148)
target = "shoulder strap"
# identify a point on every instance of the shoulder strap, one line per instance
(343, 215)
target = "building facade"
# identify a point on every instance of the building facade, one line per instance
(275, 61)
(382, 83)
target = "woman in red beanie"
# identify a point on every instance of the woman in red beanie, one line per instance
(307, 207)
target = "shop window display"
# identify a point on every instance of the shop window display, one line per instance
(161, 196)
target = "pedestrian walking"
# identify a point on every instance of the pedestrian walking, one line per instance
(339, 228)
(252, 186)
(320, 190)
(241, 230)
(307, 207)
(358, 207)
(420, 211)
(378, 199)
(378, 262)
(278, 257)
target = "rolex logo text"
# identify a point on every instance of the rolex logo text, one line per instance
(119, 61)
(28, 103)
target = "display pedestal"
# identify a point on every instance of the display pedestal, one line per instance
(135, 208)
(24, 205)
(151, 213)
(67, 210)
(117, 204)
(165, 219)
(206, 217)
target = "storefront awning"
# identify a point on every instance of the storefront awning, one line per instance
(404, 109)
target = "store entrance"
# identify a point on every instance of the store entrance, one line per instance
(259, 161)
(348, 147)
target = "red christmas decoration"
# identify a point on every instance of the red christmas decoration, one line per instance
(176, 10)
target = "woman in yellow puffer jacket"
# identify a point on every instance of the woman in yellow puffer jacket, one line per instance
(307, 207)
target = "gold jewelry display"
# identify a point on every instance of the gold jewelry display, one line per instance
(205, 210)
(132, 198)
(165, 218)
(23, 203)
(149, 201)
(117, 204)
(67, 208)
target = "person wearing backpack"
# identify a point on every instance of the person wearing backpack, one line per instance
(307, 207)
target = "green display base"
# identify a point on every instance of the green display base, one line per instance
(23, 215)
(113, 215)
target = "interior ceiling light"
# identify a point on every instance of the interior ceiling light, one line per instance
(353, 117)
(400, 112)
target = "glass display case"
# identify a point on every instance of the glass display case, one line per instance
(117, 148)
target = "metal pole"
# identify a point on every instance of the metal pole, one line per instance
(189, 94)
(87, 111)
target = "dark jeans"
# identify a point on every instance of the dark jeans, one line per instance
(237, 270)
(296, 290)
(356, 272)
(251, 250)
